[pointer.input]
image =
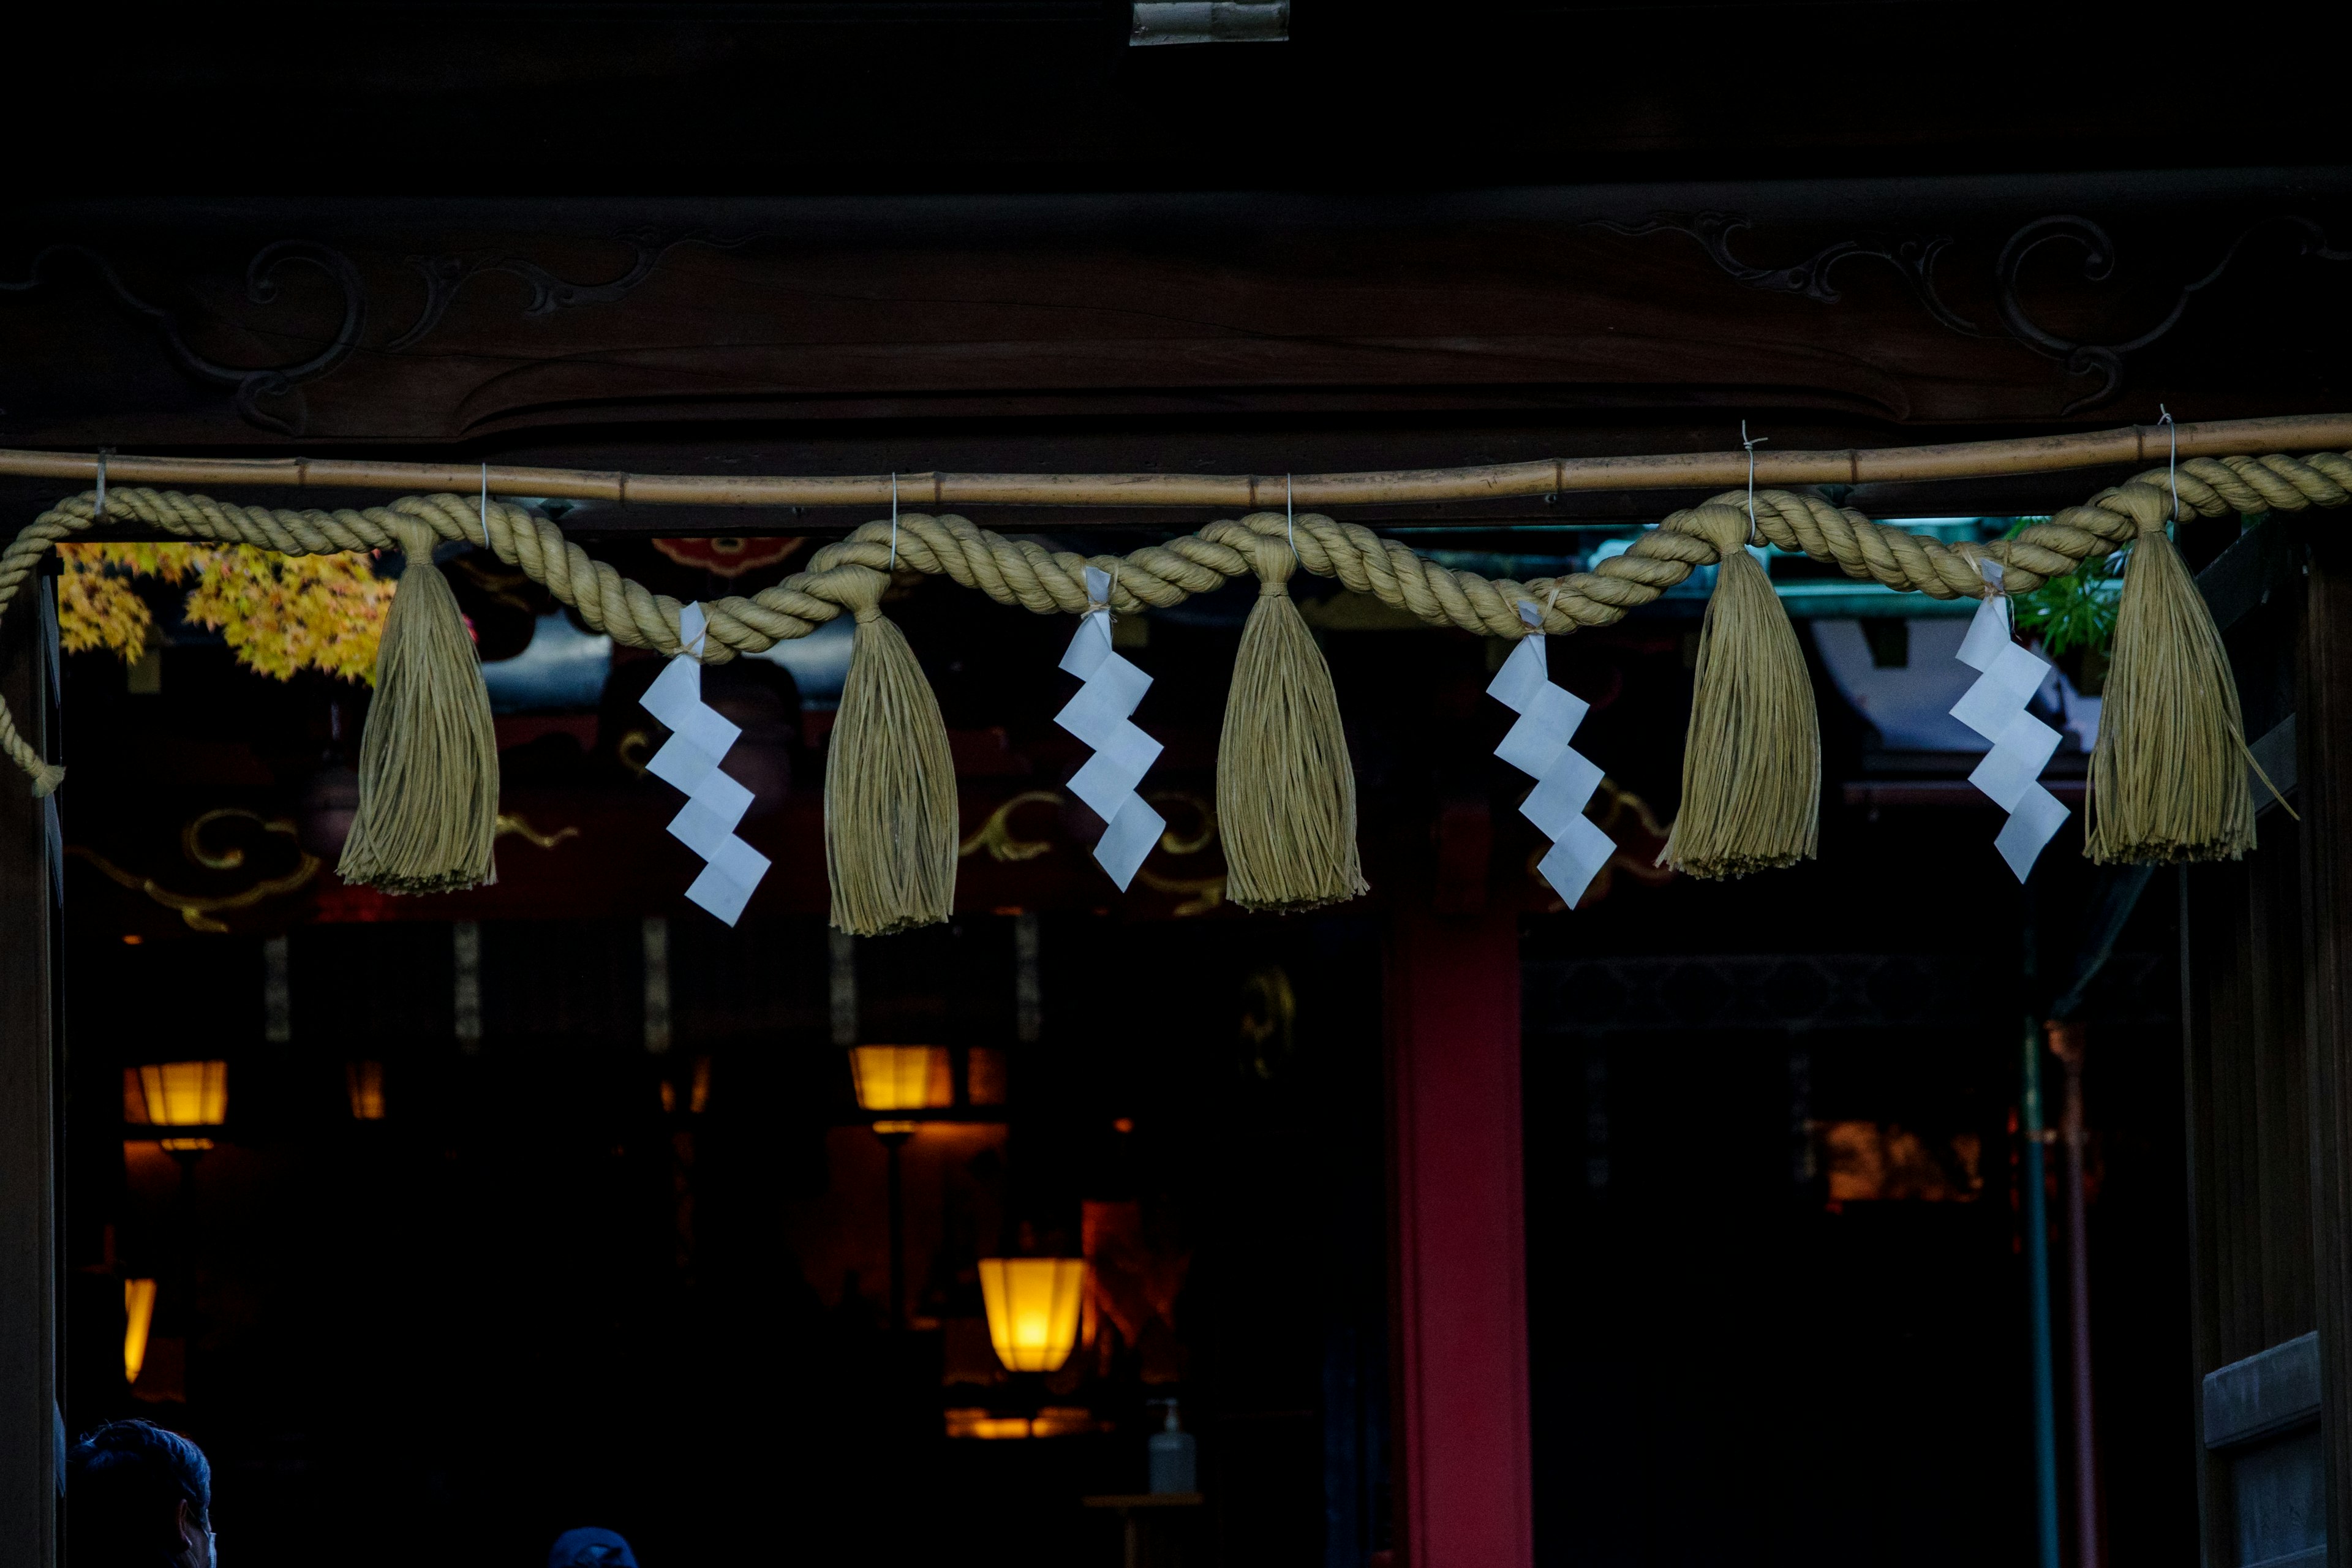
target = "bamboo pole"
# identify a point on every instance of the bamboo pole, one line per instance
(2132, 444)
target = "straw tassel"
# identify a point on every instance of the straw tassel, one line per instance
(1286, 788)
(889, 782)
(428, 810)
(1752, 760)
(2168, 774)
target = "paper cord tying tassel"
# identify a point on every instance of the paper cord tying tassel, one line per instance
(1752, 760)
(1286, 789)
(1995, 708)
(1099, 715)
(889, 782)
(2168, 774)
(428, 810)
(1538, 745)
(688, 761)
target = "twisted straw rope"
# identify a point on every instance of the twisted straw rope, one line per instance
(1017, 571)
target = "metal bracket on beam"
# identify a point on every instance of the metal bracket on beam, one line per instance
(1210, 22)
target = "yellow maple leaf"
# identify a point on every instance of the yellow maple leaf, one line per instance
(278, 614)
(98, 609)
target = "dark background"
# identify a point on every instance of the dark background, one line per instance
(482, 1306)
(987, 234)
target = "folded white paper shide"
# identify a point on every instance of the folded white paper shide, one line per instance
(1099, 715)
(1995, 708)
(1538, 745)
(688, 761)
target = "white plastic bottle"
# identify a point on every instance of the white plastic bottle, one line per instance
(1175, 1457)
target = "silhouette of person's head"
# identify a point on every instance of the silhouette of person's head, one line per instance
(140, 1497)
(589, 1549)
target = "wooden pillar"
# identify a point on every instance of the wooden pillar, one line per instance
(1461, 1453)
(28, 1390)
(2323, 772)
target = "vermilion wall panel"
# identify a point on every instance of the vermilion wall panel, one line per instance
(1462, 1424)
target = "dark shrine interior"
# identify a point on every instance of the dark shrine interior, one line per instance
(564, 1275)
(608, 1243)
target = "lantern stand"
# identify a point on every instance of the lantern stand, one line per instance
(893, 1136)
(899, 1078)
(185, 1102)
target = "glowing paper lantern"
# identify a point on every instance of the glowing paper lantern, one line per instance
(185, 1094)
(1033, 1308)
(138, 1317)
(902, 1077)
(365, 1082)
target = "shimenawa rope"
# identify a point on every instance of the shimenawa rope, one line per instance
(853, 570)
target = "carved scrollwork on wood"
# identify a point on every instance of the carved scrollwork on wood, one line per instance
(996, 835)
(199, 911)
(2106, 361)
(280, 385)
(1915, 258)
(444, 276)
(270, 397)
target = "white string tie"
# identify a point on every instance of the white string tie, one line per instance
(2172, 464)
(99, 513)
(1751, 445)
(485, 506)
(894, 523)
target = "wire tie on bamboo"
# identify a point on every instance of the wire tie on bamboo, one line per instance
(1285, 787)
(890, 829)
(2168, 771)
(485, 506)
(1754, 536)
(429, 759)
(1752, 760)
(2171, 456)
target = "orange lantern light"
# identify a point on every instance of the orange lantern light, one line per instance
(1033, 1308)
(138, 1317)
(902, 1077)
(185, 1094)
(364, 1080)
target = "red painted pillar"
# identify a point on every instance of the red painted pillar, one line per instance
(1460, 1408)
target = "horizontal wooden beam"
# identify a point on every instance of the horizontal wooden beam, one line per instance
(2132, 444)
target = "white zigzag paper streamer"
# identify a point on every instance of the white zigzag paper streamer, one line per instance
(1099, 715)
(1995, 708)
(688, 761)
(1538, 745)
